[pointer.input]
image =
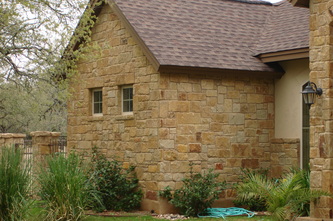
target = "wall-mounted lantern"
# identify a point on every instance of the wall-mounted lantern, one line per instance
(309, 93)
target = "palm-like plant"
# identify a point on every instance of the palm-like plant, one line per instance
(286, 198)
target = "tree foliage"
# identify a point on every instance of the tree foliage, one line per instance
(38, 47)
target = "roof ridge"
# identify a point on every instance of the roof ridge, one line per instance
(257, 2)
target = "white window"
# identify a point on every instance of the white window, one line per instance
(97, 101)
(127, 99)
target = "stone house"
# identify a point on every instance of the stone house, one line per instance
(321, 130)
(213, 82)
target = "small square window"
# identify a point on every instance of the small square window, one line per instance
(127, 99)
(97, 102)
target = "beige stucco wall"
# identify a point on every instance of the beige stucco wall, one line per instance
(288, 98)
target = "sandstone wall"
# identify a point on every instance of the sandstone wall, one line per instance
(132, 139)
(223, 123)
(321, 130)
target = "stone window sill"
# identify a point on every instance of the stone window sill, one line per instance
(125, 117)
(95, 118)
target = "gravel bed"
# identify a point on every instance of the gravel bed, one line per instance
(171, 216)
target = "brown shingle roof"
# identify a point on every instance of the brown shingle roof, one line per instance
(219, 34)
(286, 28)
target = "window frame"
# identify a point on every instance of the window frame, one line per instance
(93, 91)
(123, 100)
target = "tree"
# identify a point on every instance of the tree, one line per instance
(38, 47)
(23, 109)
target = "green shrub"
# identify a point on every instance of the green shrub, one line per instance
(252, 203)
(118, 188)
(285, 198)
(198, 193)
(63, 186)
(15, 182)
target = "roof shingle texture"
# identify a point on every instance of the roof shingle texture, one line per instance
(223, 34)
(286, 29)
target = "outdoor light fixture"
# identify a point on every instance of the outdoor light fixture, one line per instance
(309, 93)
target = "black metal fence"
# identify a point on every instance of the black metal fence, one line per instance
(58, 145)
(29, 149)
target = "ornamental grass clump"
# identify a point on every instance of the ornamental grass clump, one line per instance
(64, 188)
(15, 182)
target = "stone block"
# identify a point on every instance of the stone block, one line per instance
(240, 150)
(250, 163)
(183, 156)
(152, 169)
(207, 84)
(195, 147)
(167, 144)
(218, 166)
(196, 97)
(208, 138)
(316, 179)
(152, 195)
(164, 167)
(255, 98)
(169, 155)
(180, 167)
(182, 148)
(179, 106)
(44, 149)
(194, 157)
(222, 142)
(188, 118)
(211, 101)
(236, 119)
(151, 185)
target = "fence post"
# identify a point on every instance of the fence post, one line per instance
(8, 139)
(42, 141)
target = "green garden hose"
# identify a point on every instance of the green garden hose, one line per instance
(223, 212)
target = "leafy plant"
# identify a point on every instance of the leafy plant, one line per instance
(254, 203)
(285, 198)
(198, 192)
(118, 188)
(64, 188)
(166, 193)
(15, 183)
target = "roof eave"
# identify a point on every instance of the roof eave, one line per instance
(284, 55)
(300, 3)
(173, 69)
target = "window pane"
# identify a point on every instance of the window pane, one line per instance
(126, 107)
(127, 99)
(97, 96)
(130, 93)
(97, 108)
(97, 102)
